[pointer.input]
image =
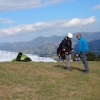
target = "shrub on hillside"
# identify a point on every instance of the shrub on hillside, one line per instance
(91, 56)
(98, 59)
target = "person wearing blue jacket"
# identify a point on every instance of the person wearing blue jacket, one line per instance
(83, 51)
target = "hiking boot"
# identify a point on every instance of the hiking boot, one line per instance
(70, 69)
(85, 72)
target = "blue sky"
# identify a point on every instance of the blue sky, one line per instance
(24, 20)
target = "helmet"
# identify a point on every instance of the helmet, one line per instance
(70, 35)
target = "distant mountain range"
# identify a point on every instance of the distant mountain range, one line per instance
(47, 45)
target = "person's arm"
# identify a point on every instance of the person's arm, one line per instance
(71, 46)
(79, 48)
(63, 45)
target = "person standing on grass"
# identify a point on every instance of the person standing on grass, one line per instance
(67, 47)
(83, 51)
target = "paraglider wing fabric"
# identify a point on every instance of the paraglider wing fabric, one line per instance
(7, 56)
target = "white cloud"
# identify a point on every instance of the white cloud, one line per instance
(5, 20)
(96, 7)
(21, 29)
(22, 4)
(76, 22)
(43, 27)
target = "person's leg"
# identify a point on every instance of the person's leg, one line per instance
(84, 60)
(68, 58)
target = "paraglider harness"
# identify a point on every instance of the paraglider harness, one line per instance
(26, 59)
(60, 52)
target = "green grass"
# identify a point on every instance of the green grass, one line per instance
(48, 81)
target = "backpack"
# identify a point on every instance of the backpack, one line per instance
(60, 52)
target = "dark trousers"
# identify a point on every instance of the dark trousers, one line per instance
(83, 57)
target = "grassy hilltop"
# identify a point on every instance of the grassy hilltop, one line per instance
(48, 81)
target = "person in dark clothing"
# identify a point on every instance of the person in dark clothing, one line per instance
(83, 51)
(67, 47)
